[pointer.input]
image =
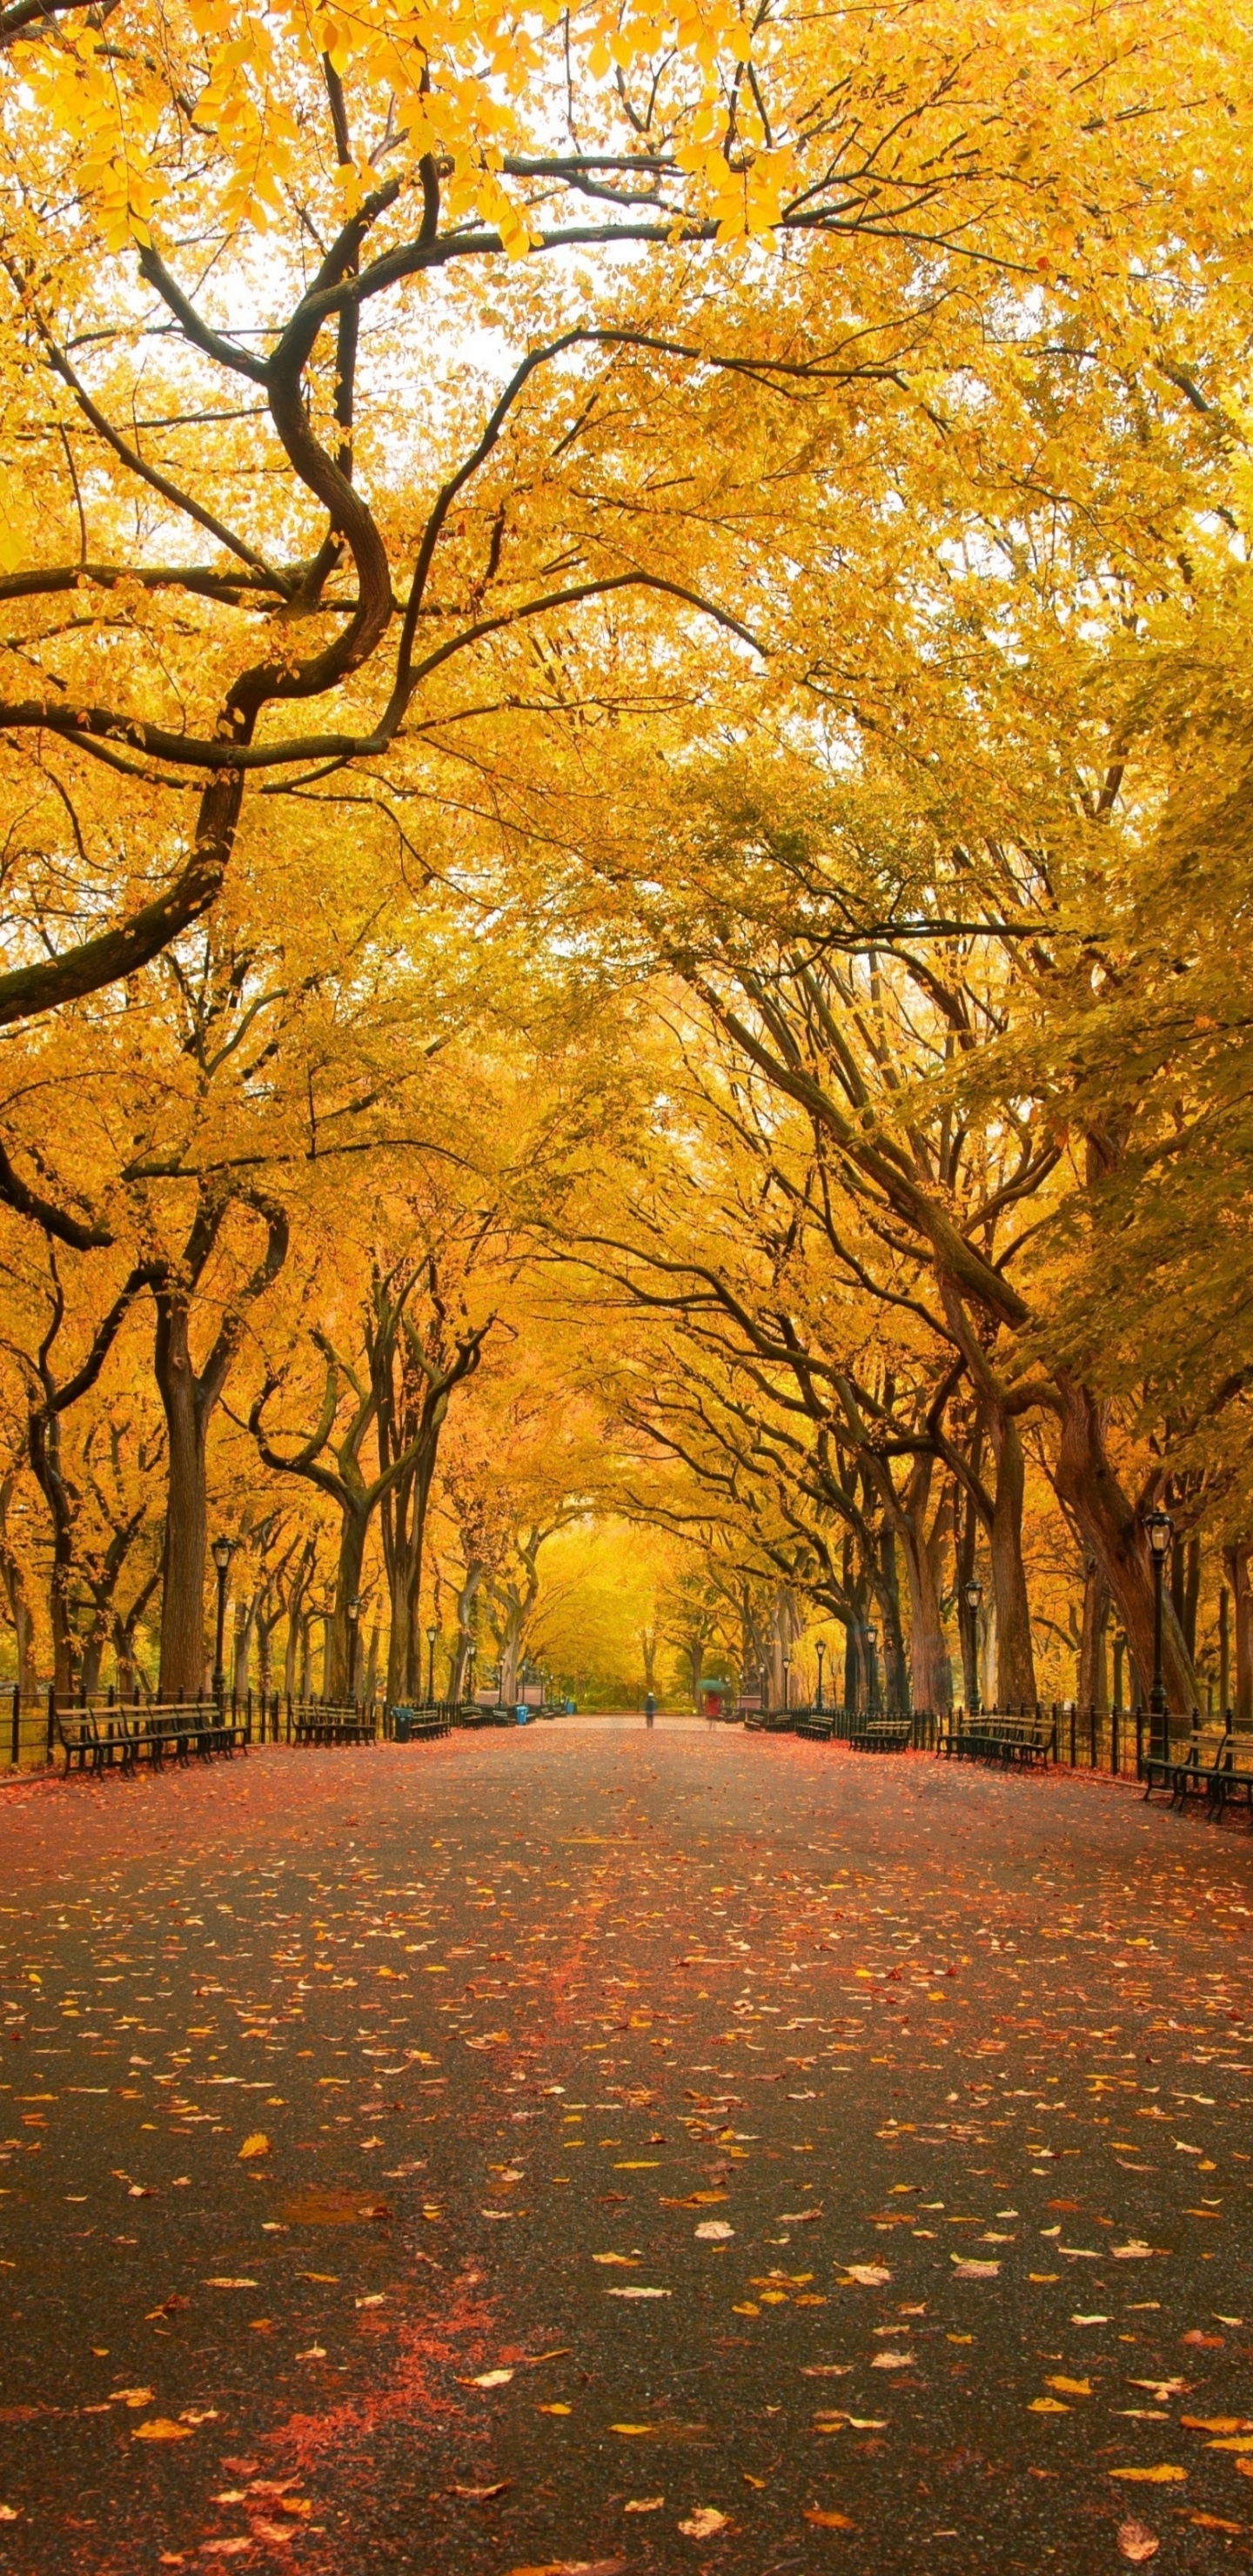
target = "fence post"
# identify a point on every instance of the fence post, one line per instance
(15, 1733)
(1114, 1763)
(52, 1715)
(1139, 1743)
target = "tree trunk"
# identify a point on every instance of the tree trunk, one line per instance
(895, 1669)
(354, 1522)
(930, 1676)
(1236, 1563)
(1092, 1688)
(1015, 1661)
(1086, 1481)
(187, 1510)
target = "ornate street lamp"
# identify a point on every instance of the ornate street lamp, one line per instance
(787, 1683)
(973, 1595)
(353, 1607)
(431, 1635)
(1159, 1530)
(221, 1552)
(820, 1649)
(872, 1668)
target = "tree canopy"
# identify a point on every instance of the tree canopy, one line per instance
(624, 753)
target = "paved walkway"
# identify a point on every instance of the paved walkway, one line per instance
(577, 2148)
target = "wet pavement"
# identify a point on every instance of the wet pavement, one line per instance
(582, 2148)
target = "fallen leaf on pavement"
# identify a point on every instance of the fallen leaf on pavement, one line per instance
(871, 2276)
(644, 2504)
(703, 2522)
(1159, 2477)
(1070, 2387)
(1136, 2543)
(257, 2145)
(479, 2495)
(224, 2548)
(277, 2533)
(893, 2361)
(968, 2270)
(828, 2521)
(714, 2230)
(634, 2290)
(161, 2428)
(796, 2217)
(488, 2379)
(229, 2281)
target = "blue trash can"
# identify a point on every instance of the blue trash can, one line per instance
(402, 1725)
(521, 1713)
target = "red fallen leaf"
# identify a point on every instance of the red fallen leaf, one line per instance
(279, 2534)
(827, 2521)
(479, 2495)
(242, 2468)
(1207, 2343)
(1136, 2543)
(1072, 2205)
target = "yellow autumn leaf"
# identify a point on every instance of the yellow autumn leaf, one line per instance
(257, 2145)
(1162, 2476)
(161, 2428)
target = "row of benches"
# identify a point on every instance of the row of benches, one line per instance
(1213, 1765)
(115, 1736)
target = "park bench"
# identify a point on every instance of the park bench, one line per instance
(991, 1737)
(1218, 1766)
(95, 1739)
(875, 1734)
(329, 1723)
(417, 1725)
(815, 1724)
(771, 1721)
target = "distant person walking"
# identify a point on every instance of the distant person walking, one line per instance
(650, 1708)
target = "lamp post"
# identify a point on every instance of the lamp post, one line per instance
(763, 1689)
(221, 1554)
(1159, 1529)
(973, 1594)
(431, 1635)
(353, 1608)
(787, 1684)
(820, 1649)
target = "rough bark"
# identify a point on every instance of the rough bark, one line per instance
(1086, 1481)
(190, 1396)
(1015, 1660)
(1092, 1681)
(1236, 1565)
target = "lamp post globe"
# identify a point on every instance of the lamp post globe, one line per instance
(1159, 1530)
(972, 1593)
(820, 1649)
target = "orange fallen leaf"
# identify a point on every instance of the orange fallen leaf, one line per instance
(828, 2521)
(161, 2428)
(1212, 2522)
(257, 2145)
(479, 2495)
(1070, 2387)
(279, 2534)
(1136, 2543)
(644, 2504)
(704, 2522)
(1162, 2476)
